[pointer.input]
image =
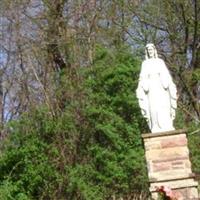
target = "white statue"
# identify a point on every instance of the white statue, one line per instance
(156, 92)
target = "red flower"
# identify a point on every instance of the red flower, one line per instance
(167, 192)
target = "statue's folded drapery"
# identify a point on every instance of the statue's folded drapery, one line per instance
(156, 93)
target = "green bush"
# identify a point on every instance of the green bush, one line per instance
(92, 148)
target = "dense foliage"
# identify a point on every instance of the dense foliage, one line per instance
(91, 149)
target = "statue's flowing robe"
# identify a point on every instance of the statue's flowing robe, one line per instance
(157, 97)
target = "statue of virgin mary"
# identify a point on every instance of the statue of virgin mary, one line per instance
(156, 92)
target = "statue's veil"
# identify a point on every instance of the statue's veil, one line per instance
(155, 51)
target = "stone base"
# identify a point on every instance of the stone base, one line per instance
(168, 164)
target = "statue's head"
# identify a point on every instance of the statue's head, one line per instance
(150, 51)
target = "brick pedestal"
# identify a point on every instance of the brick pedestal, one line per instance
(168, 164)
